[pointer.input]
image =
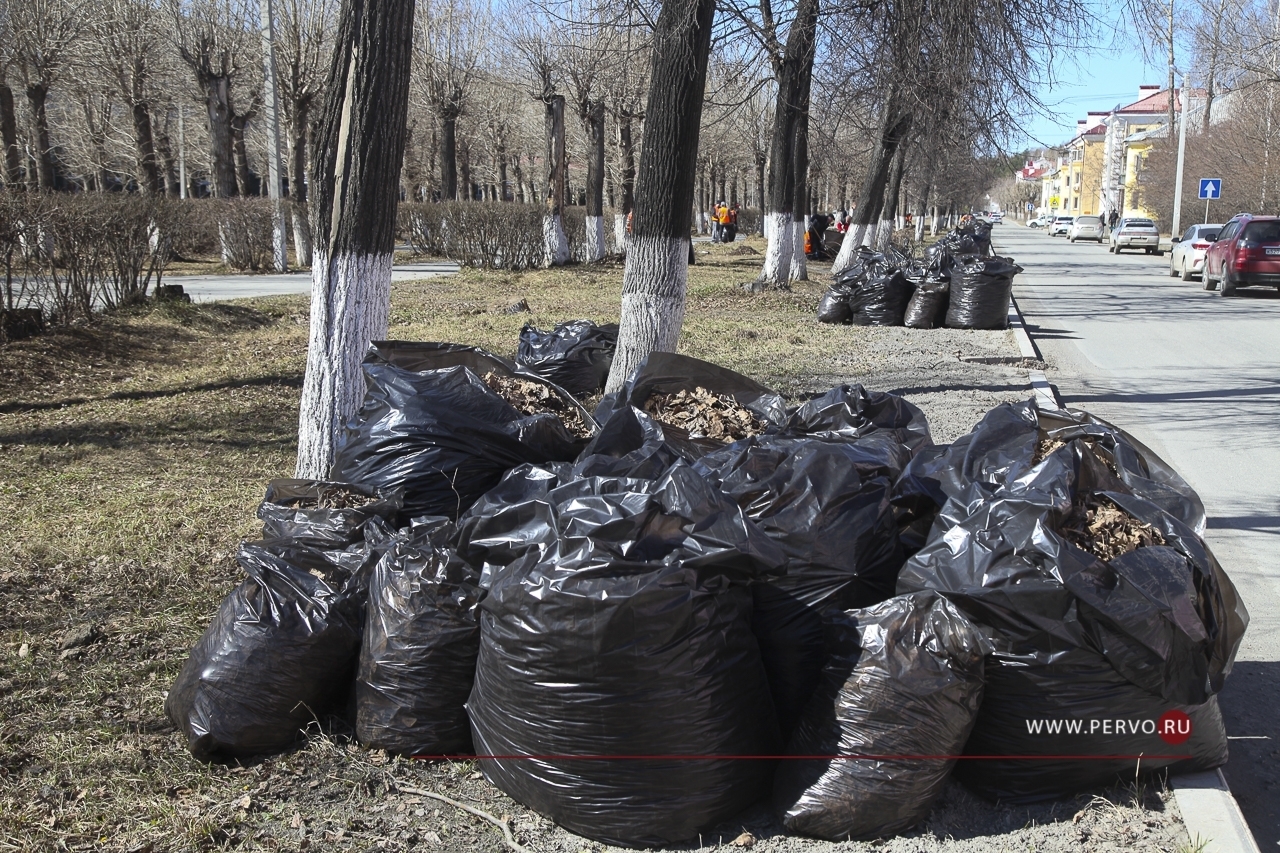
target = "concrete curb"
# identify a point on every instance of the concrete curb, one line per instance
(1209, 811)
(1046, 394)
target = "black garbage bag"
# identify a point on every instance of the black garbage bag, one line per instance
(982, 237)
(864, 260)
(1163, 618)
(959, 241)
(421, 638)
(622, 432)
(939, 259)
(1008, 442)
(980, 292)
(834, 306)
(323, 514)
(882, 298)
(851, 411)
(928, 305)
(826, 505)
(575, 355)
(279, 654)
(626, 631)
(904, 679)
(445, 438)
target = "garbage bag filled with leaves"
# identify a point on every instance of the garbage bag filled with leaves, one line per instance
(623, 628)
(575, 355)
(421, 638)
(826, 505)
(279, 654)
(446, 436)
(881, 300)
(981, 289)
(697, 405)
(1013, 438)
(927, 308)
(852, 411)
(323, 514)
(904, 678)
(1101, 601)
(833, 307)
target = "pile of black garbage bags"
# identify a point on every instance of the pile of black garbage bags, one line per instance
(640, 632)
(958, 284)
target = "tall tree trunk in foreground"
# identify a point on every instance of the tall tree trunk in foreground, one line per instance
(595, 180)
(653, 281)
(797, 68)
(894, 125)
(555, 243)
(892, 195)
(355, 180)
(800, 167)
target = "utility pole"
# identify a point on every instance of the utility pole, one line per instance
(1182, 155)
(271, 111)
(182, 152)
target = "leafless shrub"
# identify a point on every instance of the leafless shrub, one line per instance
(245, 232)
(490, 235)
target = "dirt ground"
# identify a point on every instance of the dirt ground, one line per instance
(133, 454)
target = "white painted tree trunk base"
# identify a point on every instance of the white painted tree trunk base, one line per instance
(554, 242)
(358, 287)
(653, 288)
(301, 238)
(778, 252)
(848, 248)
(595, 239)
(799, 263)
(884, 235)
(919, 228)
(619, 233)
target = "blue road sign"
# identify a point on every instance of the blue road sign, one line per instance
(1211, 188)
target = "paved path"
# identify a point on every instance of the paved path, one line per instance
(1196, 377)
(212, 288)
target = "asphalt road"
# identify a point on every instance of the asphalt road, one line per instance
(212, 288)
(1197, 378)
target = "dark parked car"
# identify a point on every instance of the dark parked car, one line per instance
(1246, 254)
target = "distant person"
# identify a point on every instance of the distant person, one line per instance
(731, 227)
(1112, 219)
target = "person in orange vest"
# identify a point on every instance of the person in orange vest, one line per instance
(732, 227)
(722, 213)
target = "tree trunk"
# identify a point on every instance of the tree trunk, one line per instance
(503, 195)
(653, 281)
(518, 173)
(464, 172)
(218, 103)
(9, 136)
(892, 197)
(800, 166)
(555, 243)
(148, 170)
(244, 179)
(627, 158)
(894, 124)
(595, 181)
(38, 96)
(355, 177)
(298, 181)
(796, 69)
(449, 157)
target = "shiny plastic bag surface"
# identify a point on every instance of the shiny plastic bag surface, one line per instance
(904, 678)
(421, 638)
(623, 629)
(575, 355)
(290, 511)
(981, 290)
(279, 654)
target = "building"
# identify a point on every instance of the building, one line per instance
(1129, 137)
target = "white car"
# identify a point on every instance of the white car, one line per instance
(1187, 256)
(1060, 225)
(1040, 221)
(1136, 234)
(1086, 228)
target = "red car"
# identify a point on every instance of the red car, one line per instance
(1246, 254)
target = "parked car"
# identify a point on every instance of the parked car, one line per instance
(1086, 228)
(1186, 258)
(1060, 225)
(1136, 234)
(1246, 254)
(1040, 221)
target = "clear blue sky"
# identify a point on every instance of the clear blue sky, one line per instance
(1098, 81)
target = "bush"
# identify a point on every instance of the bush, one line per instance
(492, 235)
(244, 230)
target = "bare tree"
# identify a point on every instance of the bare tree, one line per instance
(654, 279)
(304, 40)
(211, 38)
(450, 51)
(127, 40)
(356, 178)
(44, 37)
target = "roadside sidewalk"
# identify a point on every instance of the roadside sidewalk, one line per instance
(215, 288)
